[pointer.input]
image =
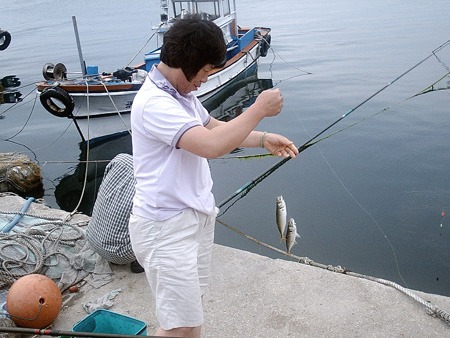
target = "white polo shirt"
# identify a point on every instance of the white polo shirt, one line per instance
(168, 179)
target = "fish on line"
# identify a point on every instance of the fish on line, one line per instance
(291, 235)
(281, 216)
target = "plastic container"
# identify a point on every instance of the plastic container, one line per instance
(92, 70)
(104, 321)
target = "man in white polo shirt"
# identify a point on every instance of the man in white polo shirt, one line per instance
(172, 224)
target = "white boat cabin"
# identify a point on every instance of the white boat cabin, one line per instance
(222, 12)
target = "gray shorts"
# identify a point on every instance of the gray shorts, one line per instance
(176, 255)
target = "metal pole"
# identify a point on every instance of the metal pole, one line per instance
(44, 332)
(80, 54)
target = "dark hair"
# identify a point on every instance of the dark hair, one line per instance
(191, 43)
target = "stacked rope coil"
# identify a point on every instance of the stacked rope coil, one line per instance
(28, 251)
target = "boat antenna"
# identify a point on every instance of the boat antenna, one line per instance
(80, 53)
(249, 185)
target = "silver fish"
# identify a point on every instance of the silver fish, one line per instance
(291, 235)
(281, 216)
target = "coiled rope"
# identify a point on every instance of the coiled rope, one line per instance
(27, 252)
(30, 248)
(431, 309)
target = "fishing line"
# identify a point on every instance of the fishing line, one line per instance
(366, 211)
(45, 146)
(15, 105)
(26, 122)
(306, 146)
(429, 89)
(442, 62)
(57, 139)
(249, 185)
(275, 54)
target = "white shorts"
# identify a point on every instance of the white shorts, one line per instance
(176, 255)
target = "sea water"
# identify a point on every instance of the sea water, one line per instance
(373, 198)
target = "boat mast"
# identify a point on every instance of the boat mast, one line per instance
(163, 25)
(165, 11)
(80, 54)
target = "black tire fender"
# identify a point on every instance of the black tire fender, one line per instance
(265, 44)
(6, 37)
(57, 101)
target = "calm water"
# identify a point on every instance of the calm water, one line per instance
(369, 198)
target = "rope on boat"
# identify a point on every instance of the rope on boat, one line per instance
(21, 102)
(275, 53)
(431, 309)
(117, 110)
(69, 216)
(145, 44)
(75, 210)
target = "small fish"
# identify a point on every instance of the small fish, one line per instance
(281, 216)
(291, 235)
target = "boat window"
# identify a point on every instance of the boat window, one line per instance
(226, 7)
(208, 9)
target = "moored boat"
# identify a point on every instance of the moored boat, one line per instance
(100, 104)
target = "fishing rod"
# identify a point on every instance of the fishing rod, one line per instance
(57, 333)
(249, 185)
(428, 89)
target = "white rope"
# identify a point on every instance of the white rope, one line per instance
(145, 44)
(115, 107)
(430, 308)
(34, 246)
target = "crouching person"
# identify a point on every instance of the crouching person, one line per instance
(107, 232)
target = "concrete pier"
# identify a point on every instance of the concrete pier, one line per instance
(256, 296)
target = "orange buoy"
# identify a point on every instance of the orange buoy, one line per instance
(34, 301)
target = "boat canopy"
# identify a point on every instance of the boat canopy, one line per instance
(211, 9)
(222, 12)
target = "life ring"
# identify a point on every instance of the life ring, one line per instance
(52, 98)
(5, 39)
(265, 44)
